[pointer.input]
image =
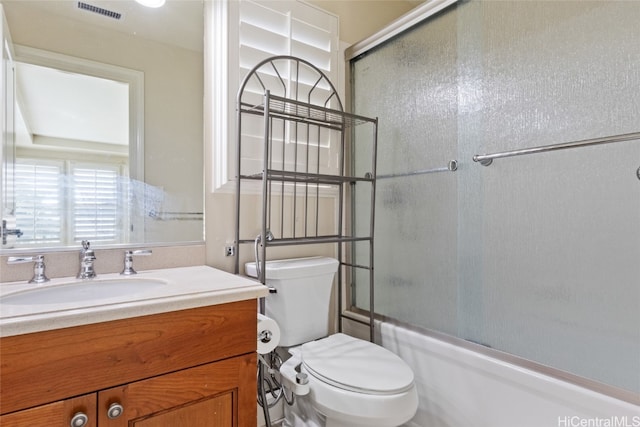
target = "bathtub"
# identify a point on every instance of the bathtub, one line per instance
(460, 387)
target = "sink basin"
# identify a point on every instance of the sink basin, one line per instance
(83, 291)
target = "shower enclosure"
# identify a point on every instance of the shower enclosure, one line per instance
(538, 254)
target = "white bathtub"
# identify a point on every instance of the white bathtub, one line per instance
(459, 387)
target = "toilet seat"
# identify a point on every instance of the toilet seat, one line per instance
(357, 366)
(353, 383)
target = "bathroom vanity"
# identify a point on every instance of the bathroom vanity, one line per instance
(186, 360)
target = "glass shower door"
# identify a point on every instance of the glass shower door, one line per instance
(536, 255)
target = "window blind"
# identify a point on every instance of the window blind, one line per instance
(39, 210)
(287, 28)
(62, 202)
(273, 28)
(243, 34)
(95, 206)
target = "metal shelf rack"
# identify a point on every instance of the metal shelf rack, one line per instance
(295, 144)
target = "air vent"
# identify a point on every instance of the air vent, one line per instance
(99, 10)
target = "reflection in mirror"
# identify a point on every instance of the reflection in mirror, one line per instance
(108, 124)
(75, 123)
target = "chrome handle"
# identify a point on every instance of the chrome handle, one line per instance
(23, 259)
(38, 266)
(114, 411)
(128, 260)
(80, 419)
(140, 252)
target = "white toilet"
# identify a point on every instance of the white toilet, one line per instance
(349, 382)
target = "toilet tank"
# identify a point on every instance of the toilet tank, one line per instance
(301, 303)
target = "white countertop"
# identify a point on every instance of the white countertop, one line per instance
(182, 288)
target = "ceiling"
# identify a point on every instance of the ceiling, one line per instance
(62, 106)
(171, 24)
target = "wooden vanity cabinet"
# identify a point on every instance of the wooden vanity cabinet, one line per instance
(54, 414)
(193, 368)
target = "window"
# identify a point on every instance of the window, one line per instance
(39, 210)
(242, 34)
(294, 28)
(63, 202)
(96, 210)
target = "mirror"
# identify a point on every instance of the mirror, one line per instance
(140, 184)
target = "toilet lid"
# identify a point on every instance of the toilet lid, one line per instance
(356, 365)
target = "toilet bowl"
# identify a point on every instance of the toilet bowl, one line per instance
(353, 383)
(349, 382)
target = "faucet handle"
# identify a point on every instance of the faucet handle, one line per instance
(38, 266)
(86, 250)
(128, 260)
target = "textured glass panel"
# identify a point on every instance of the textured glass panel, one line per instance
(561, 230)
(415, 99)
(536, 255)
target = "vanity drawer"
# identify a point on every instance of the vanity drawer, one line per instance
(48, 366)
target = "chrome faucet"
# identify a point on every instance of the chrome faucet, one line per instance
(87, 257)
(128, 260)
(38, 266)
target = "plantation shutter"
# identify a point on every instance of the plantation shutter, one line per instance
(287, 28)
(244, 33)
(63, 203)
(268, 29)
(39, 209)
(95, 204)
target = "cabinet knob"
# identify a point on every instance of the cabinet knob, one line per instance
(79, 419)
(114, 411)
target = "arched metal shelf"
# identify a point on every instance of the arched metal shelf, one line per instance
(295, 139)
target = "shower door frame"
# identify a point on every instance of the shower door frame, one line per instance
(414, 17)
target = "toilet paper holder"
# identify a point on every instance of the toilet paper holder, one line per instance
(265, 336)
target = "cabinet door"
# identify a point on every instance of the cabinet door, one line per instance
(56, 414)
(220, 394)
(214, 411)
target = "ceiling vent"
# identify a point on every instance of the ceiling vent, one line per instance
(99, 10)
